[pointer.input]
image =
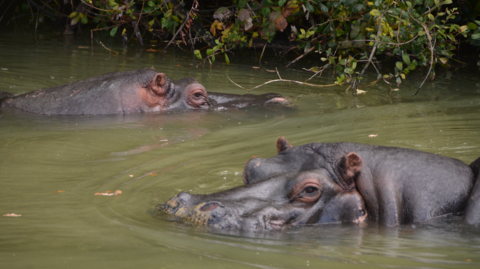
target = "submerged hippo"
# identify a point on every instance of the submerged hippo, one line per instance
(137, 91)
(333, 183)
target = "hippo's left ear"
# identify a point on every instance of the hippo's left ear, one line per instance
(282, 144)
(349, 166)
(158, 84)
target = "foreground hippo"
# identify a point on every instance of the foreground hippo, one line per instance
(137, 91)
(335, 182)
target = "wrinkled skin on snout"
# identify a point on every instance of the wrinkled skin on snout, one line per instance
(332, 183)
(138, 91)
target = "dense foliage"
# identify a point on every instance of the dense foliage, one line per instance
(342, 33)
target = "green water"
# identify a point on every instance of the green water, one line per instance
(151, 158)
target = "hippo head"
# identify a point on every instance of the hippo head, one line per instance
(296, 187)
(186, 93)
(163, 93)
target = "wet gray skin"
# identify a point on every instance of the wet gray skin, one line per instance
(137, 91)
(221, 101)
(333, 183)
(272, 204)
(272, 200)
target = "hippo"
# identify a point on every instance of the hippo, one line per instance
(137, 91)
(322, 183)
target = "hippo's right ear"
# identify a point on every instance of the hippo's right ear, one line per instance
(158, 84)
(349, 166)
(282, 144)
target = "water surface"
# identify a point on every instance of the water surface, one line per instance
(51, 167)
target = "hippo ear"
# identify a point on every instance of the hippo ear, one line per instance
(349, 167)
(158, 84)
(282, 144)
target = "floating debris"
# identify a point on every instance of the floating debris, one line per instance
(12, 215)
(109, 193)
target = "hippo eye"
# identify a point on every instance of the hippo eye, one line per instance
(310, 189)
(309, 194)
(197, 94)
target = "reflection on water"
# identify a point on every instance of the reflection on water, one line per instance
(51, 167)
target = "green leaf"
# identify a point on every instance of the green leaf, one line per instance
(375, 12)
(339, 32)
(151, 3)
(226, 59)
(323, 7)
(309, 7)
(242, 3)
(113, 31)
(209, 52)
(307, 47)
(430, 16)
(73, 14)
(399, 65)
(281, 3)
(356, 8)
(443, 60)
(399, 81)
(406, 58)
(266, 11)
(197, 54)
(476, 36)
(472, 26)
(331, 60)
(84, 20)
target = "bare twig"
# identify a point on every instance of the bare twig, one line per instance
(261, 55)
(7, 9)
(181, 26)
(374, 46)
(314, 75)
(105, 47)
(281, 80)
(431, 49)
(99, 29)
(301, 56)
(378, 41)
(135, 28)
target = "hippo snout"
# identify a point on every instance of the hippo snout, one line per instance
(212, 213)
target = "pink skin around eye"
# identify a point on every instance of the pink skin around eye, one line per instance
(197, 96)
(303, 187)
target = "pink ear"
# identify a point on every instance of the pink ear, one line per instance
(158, 84)
(282, 144)
(349, 167)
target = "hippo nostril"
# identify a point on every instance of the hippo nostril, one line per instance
(184, 197)
(210, 206)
